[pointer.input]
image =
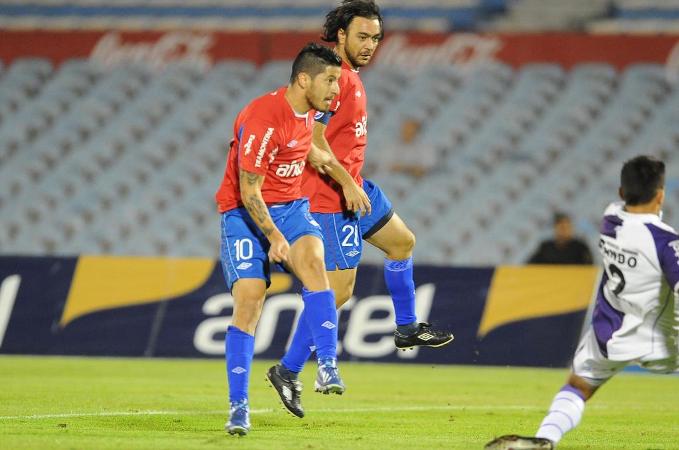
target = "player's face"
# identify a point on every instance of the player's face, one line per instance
(324, 88)
(360, 40)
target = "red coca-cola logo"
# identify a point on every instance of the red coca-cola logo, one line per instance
(172, 47)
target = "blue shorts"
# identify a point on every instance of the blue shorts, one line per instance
(244, 252)
(381, 210)
(341, 239)
(343, 232)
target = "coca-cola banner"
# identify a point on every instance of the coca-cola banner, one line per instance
(411, 49)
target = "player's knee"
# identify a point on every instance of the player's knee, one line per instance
(313, 266)
(404, 247)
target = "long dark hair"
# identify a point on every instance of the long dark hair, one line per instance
(340, 17)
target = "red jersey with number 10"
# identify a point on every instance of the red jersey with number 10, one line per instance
(347, 134)
(270, 140)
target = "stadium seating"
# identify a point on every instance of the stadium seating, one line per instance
(126, 160)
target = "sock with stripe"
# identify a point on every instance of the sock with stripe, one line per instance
(240, 347)
(564, 414)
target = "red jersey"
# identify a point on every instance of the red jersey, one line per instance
(347, 134)
(270, 139)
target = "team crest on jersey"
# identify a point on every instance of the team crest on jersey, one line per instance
(292, 143)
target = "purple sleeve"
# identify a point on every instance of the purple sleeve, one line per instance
(669, 261)
(667, 246)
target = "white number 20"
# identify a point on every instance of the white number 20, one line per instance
(351, 234)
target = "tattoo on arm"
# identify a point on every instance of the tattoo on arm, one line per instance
(253, 201)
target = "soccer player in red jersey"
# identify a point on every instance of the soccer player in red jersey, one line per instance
(355, 27)
(265, 219)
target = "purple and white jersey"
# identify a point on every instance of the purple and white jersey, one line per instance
(634, 316)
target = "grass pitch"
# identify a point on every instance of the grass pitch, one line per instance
(99, 403)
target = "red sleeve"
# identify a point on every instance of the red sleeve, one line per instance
(257, 146)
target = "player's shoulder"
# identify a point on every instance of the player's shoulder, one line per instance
(267, 108)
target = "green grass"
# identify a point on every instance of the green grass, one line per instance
(181, 404)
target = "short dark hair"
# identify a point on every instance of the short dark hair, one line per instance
(313, 59)
(559, 216)
(640, 179)
(340, 17)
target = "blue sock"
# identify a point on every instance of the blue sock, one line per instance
(398, 275)
(300, 347)
(321, 319)
(240, 347)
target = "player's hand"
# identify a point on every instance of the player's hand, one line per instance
(319, 159)
(357, 200)
(278, 252)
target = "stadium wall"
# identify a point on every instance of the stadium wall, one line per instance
(117, 306)
(409, 49)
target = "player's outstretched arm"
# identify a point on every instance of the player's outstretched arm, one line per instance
(322, 158)
(251, 195)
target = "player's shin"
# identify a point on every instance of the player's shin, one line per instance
(564, 414)
(398, 276)
(240, 347)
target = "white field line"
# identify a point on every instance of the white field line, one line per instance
(268, 411)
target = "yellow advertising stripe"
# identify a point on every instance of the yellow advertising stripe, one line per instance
(520, 293)
(106, 282)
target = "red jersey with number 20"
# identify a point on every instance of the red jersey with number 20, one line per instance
(270, 139)
(347, 134)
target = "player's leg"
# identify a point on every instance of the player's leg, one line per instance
(248, 294)
(342, 253)
(245, 265)
(320, 314)
(317, 324)
(591, 369)
(385, 230)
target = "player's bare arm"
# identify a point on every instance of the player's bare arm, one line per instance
(251, 195)
(354, 195)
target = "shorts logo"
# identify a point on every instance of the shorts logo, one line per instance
(352, 253)
(244, 265)
(327, 324)
(262, 147)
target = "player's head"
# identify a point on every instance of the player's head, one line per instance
(642, 181)
(356, 27)
(315, 72)
(563, 227)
